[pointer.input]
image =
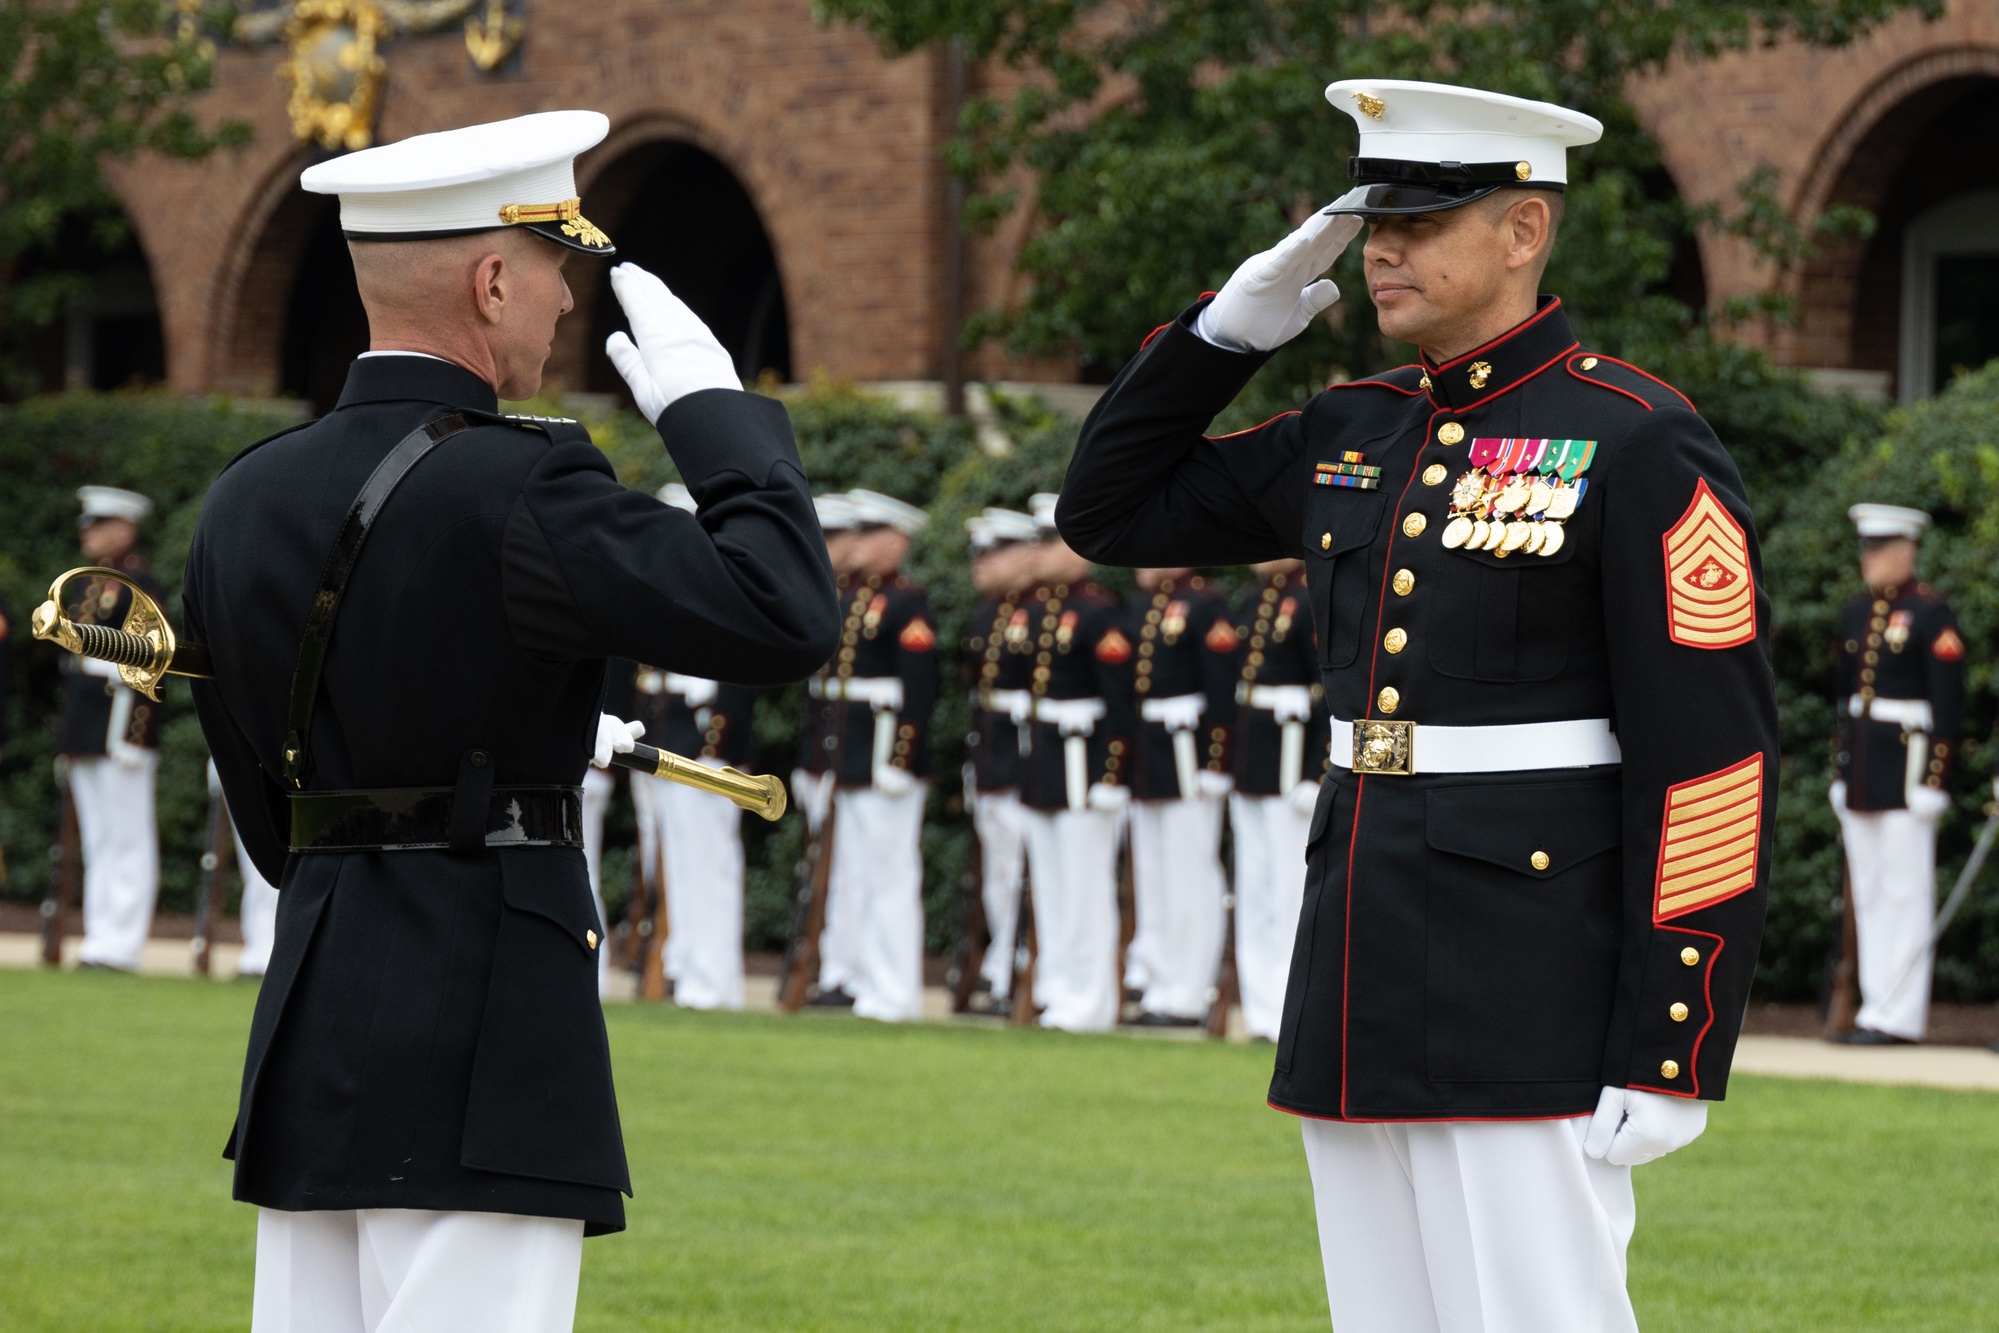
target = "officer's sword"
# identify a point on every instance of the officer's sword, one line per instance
(1958, 893)
(146, 651)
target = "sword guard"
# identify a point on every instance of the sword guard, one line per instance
(142, 649)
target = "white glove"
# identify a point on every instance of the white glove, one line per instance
(126, 755)
(1927, 803)
(1210, 783)
(1109, 799)
(1837, 793)
(892, 781)
(670, 353)
(1270, 299)
(614, 737)
(1631, 1127)
(1303, 798)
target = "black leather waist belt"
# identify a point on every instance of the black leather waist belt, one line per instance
(418, 818)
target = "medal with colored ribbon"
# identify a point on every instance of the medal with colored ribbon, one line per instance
(1517, 495)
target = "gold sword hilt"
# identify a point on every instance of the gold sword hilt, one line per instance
(760, 794)
(144, 650)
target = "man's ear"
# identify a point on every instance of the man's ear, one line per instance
(1532, 228)
(489, 286)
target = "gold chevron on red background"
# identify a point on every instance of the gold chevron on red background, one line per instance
(1710, 592)
(1707, 846)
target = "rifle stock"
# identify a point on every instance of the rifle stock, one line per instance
(652, 976)
(1844, 1004)
(208, 897)
(64, 859)
(1228, 985)
(975, 935)
(1026, 953)
(808, 918)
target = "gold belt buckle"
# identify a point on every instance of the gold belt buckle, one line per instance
(1384, 748)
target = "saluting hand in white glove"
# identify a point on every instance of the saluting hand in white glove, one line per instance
(1631, 1127)
(1270, 299)
(670, 352)
(614, 737)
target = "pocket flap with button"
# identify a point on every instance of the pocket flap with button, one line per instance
(1539, 829)
(543, 882)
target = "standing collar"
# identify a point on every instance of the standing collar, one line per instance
(1515, 356)
(421, 379)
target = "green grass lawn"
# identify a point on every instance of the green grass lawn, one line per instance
(823, 1173)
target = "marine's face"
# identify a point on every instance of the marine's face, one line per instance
(1149, 579)
(1430, 272)
(1888, 564)
(107, 539)
(1054, 562)
(880, 551)
(536, 295)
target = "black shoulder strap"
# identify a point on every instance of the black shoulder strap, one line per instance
(354, 529)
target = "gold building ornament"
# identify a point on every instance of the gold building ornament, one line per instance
(491, 37)
(335, 71)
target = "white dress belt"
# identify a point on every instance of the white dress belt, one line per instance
(1291, 703)
(1016, 704)
(699, 691)
(1074, 717)
(1910, 714)
(882, 692)
(1182, 712)
(1576, 743)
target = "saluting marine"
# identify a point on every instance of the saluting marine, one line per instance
(1277, 754)
(1183, 674)
(1900, 693)
(999, 661)
(1074, 765)
(110, 741)
(883, 688)
(695, 838)
(427, 1120)
(1536, 875)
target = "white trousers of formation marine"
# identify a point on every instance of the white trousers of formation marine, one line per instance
(1177, 887)
(1892, 856)
(258, 912)
(121, 855)
(597, 789)
(872, 945)
(702, 837)
(1003, 858)
(1470, 1227)
(1072, 868)
(1270, 835)
(399, 1270)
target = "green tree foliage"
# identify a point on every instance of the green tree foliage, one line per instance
(82, 81)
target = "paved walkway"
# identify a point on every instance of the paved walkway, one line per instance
(1783, 1057)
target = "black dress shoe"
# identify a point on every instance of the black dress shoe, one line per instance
(1152, 1020)
(987, 1005)
(1870, 1037)
(831, 999)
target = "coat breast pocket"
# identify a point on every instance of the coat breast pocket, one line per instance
(1503, 622)
(1339, 528)
(1523, 918)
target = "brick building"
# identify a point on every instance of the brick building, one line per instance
(784, 176)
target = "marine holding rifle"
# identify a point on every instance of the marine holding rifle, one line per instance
(402, 724)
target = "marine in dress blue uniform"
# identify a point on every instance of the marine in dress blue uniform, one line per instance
(427, 1120)
(1535, 883)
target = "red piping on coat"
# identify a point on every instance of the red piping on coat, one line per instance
(1707, 998)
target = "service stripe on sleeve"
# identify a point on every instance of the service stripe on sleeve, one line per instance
(1710, 594)
(1707, 847)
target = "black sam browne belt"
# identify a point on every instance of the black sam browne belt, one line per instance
(420, 818)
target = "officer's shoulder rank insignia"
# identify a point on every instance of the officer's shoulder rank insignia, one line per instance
(1710, 596)
(1707, 846)
(1114, 649)
(917, 636)
(1947, 647)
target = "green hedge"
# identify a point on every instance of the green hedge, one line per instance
(1805, 457)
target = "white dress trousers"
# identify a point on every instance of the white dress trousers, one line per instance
(703, 838)
(1072, 861)
(1003, 857)
(1270, 838)
(597, 789)
(872, 944)
(1470, 1227)
(258, 913)
(121, 855)
(1892, 856)
(1177, 888)
(397, 1270)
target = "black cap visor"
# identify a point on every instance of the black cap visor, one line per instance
(576, 235)
(1387, 187)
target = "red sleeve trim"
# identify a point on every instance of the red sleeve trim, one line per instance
(1237, 434)
(1154, 334)
(1707, 1002)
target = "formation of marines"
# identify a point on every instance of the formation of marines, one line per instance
(1494, 727)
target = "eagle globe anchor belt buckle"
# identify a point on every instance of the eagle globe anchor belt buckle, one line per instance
(1377, 747)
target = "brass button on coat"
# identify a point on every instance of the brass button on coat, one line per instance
(1679, 1012)
(590, 938)
(1690, 956)
(1389, 699)
(1589, 363)
(1538, 860)
(1325, 541)
(1405, 582)
(1669, 1069)
(1434, 474)
(1413, 525)
(1450, 433)
(1395, 640)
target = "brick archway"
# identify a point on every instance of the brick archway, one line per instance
(253, 292)
(1898, 151)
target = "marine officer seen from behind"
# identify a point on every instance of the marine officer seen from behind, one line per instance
(1536, 873)
(1900, 694)
(110, 743)
(409, 604)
